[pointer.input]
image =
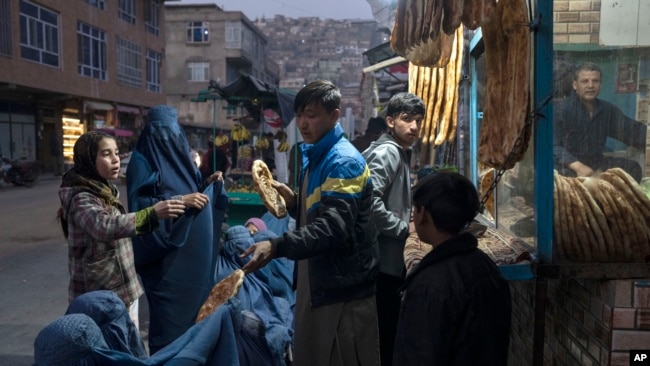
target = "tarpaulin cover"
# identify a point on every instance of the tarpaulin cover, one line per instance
(116, 131)
(256, 95)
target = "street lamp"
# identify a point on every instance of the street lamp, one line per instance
(202, 97)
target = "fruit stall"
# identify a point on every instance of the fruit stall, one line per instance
(258, 132)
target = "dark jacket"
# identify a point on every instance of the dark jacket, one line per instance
(579, 136)
(337, 235)
(455, 309)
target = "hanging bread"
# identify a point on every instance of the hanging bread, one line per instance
(398, 34)
(475, 12)
(417, 33)
(453, 12)
(507, 51)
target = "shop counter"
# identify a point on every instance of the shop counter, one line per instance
(242, 206)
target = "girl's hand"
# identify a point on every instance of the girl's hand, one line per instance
(195, 200)
(216, 176)
(168, 209)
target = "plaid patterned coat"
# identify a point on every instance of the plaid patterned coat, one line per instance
(100, 254)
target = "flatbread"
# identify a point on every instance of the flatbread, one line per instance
(264, 184)
(220, 293)
(487, 179)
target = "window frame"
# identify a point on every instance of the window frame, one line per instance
(99, 4)
(202, 27)
(152, 17)
(39, 38)
(128, 62)
(6, 41)
(93, 62)
(126, 11)
(154, 67)
(193, 69)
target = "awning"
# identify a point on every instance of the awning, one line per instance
(98, 106)
(384, 64)
(116, 131)
(127, 109)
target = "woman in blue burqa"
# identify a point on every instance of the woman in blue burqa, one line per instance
(176, 262)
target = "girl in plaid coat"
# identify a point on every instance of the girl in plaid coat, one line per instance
(98, 227)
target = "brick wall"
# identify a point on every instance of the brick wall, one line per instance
(630, 320)
(578, 319)
(588, 322)
(576, 21)
(523, 315)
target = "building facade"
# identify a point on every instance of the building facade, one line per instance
(70, 66)
(206, 44)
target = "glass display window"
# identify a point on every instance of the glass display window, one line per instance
(510, 206)
(72, 130)
(580, 194)
(601, 72)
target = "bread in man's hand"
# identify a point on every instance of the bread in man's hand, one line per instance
(271, 198)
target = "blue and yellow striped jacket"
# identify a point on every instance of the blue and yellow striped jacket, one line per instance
(337, 234)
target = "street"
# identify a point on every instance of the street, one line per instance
(33, 267)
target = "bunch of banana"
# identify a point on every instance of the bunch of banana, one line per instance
(262, 143)
(284, 146)
(221, 140)
(240, 133)
(282, 137)
(245, 151)
(242, 188)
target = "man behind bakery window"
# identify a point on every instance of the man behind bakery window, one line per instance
(388, 160)
(583, 122)
(335, 242)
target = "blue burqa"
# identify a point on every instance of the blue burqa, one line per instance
(175, 262)
(267, 316)
(75, 339)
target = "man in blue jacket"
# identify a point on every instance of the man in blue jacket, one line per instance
(335, 242)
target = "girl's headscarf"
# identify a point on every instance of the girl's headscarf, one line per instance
(84, 177)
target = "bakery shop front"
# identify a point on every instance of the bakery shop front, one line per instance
(545, 106)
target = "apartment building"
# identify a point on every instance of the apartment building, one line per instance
(70, 66)
(208, 45)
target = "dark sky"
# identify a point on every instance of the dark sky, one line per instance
(335, 9)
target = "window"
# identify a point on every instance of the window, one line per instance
(153, 70)
(129, 63)
(39, 34)
(91, 51)
(127, 10)
(198, 71)
(197, 32)
(233, 35)
(152, 16)
(5, 28)
(231, 110)
(100, 4)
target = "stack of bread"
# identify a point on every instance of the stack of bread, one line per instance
(424, 30)
(604, 218)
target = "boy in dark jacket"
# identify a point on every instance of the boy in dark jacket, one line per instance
(456, 306)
